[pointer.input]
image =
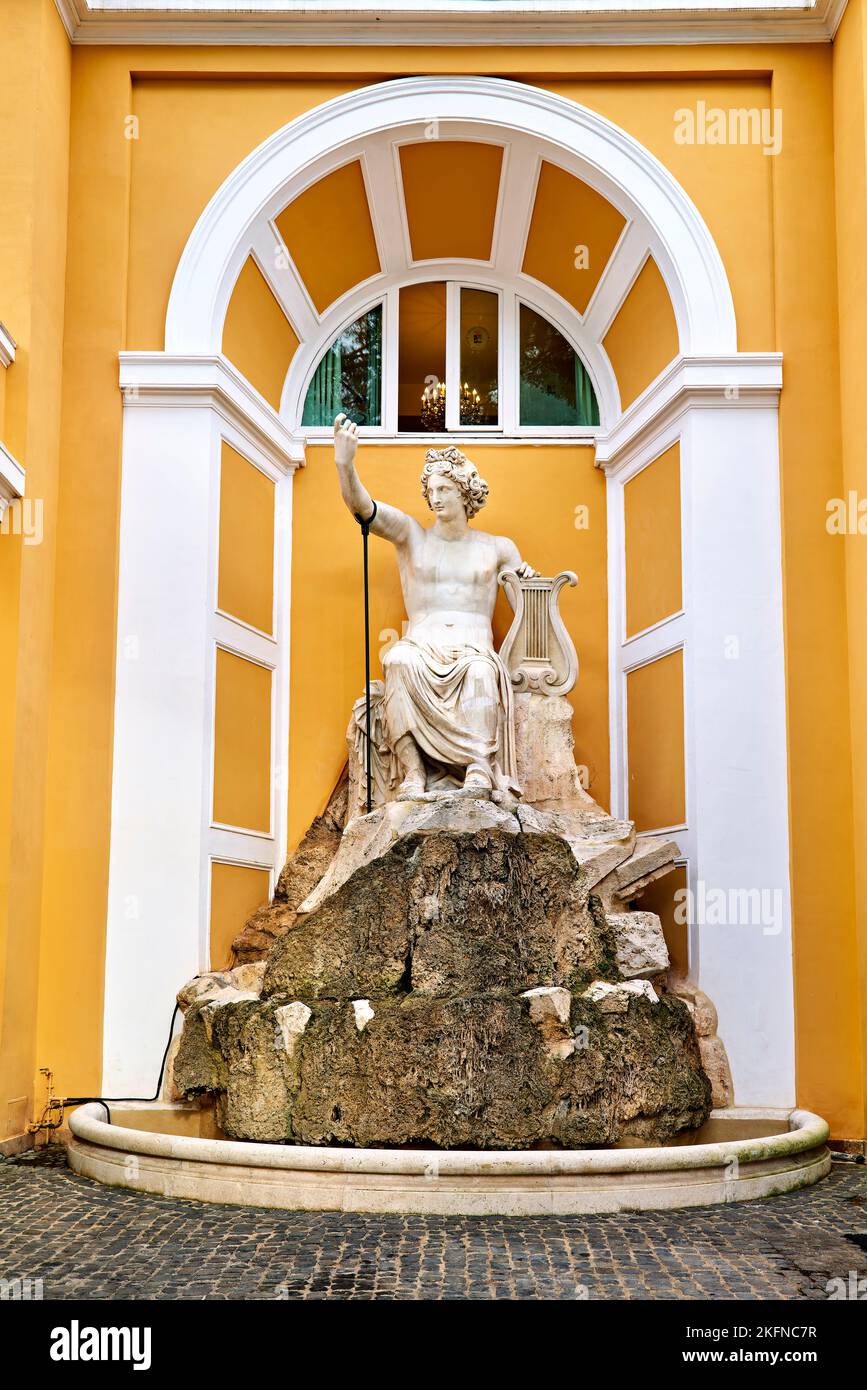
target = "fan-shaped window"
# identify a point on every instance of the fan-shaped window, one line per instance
(349, 376)
(555, 387)
(456, 359)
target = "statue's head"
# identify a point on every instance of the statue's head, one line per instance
(456, 467)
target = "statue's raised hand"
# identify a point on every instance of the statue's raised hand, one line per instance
(345, 440)
(525, 571)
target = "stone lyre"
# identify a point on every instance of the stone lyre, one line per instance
(537, 650)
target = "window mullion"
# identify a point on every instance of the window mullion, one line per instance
(390, 332)
(453, 355)
(507, 380)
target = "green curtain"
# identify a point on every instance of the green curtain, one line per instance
(541, 407)
(585, 397)
(374, 367)
(323, 394)
(349, 376)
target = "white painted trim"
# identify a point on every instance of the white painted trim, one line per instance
(518, 182)
(742, 380)
(617, 278)
(12, 479)
(574, 137)
(267, 247)
(449, 22)
(163, 839)
(736, 833)
(384, 189)
(737, 771)
(156, 380)
(7, 347)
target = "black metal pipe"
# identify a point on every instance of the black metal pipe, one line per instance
(365, 532)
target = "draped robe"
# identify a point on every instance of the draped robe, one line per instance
(445, 684)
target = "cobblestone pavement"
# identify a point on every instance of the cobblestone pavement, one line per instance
(93, 1242)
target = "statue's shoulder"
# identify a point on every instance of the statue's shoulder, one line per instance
(507, 550)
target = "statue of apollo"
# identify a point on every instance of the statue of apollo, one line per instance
(448, 697)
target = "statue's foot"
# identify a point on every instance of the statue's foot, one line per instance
(411, 788)
(477, 782)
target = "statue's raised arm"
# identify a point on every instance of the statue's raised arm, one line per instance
(389, 522)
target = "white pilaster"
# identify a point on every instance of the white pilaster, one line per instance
(162, 733)
(177, 412)
(734, 673)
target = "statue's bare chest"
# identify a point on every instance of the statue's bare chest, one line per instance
(469, 563)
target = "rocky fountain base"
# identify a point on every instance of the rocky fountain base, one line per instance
(456, 1019)
(453, 981)
(455, 1024)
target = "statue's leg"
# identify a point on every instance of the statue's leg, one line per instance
(412, 766)
(480, 711)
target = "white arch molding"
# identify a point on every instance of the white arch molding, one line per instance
(719, 404)
(583, 142)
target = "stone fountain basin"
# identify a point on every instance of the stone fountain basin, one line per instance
(175, 1150)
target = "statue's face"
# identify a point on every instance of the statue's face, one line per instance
(445, 498)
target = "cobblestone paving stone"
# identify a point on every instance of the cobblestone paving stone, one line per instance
(93, 1242)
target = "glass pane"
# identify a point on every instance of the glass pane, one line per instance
(555, 387)
(479, 354)
(421, 370)
(349, 376)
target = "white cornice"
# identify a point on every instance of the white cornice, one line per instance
(7, 347)
(11, 479)
(448, 22)
(151, 380)
(741, 380)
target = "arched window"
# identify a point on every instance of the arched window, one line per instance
(555, 386)
(459, 359)
(349, 375)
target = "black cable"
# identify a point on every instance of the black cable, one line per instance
(119, 1100)
(365, 532)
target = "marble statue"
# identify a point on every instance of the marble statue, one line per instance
(447, 707)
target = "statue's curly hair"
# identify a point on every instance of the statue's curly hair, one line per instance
(451, 463)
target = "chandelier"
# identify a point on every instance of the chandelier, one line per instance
(433, 406)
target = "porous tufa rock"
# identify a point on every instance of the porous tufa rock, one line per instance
(639, 944)
(209, 1010)
(243, 980)
(363, 1013)
(615, 999)
(291, 1020)
(435, 998)
(367, 838)
(550, 1010)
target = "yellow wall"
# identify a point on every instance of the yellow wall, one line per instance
(242, 743)
(850, 136)
(652, 558)
(245, 564)
(642, 340)
(661, 898)
(236, 891)
(132, 205)
(450, 190)
(329, 235)
(569, 216)
(257, 336)
(655, 751)
(34, 132)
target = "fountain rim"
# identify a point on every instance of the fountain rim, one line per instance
(807, 1131)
